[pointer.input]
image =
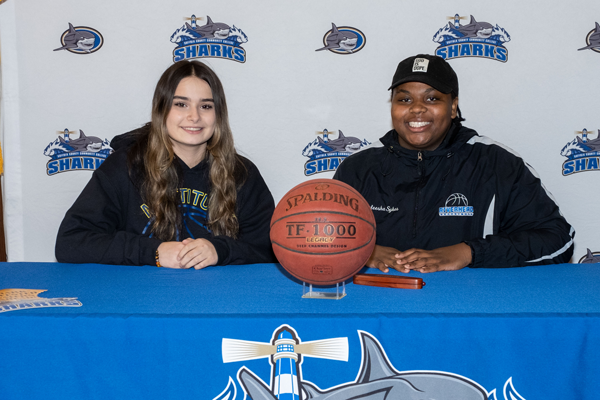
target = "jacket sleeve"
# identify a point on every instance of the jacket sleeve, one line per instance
(255, 208)
(528, 226)
(93, 230)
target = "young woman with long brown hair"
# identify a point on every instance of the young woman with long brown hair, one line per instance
(175, 193)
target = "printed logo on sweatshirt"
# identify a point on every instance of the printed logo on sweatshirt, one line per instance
(285, 352)
(582, 153)
(456, 205)
(593, 40)
(343, 40)
(325, 154)
(81, 40)
(211, 40)
(475, 39)
(83, 153)
(193, 207)
(21, 299)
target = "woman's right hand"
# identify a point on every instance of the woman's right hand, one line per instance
(168, 253)
(383, 258)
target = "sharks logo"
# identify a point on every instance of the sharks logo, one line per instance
(593, 40)
(377, 378)
(343, 40)
(81, 40)
(590, 257)
(582, 153)
(22, 299)
(83, 153)
(214, 39)
(456, 205)
(475, 39)
(325, 154)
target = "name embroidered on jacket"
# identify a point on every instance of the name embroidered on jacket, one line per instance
(387, 209)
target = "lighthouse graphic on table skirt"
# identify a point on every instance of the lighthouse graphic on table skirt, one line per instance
(285, 353)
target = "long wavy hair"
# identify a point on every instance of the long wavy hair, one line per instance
(153, 163)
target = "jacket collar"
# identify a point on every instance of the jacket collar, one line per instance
(456, 137)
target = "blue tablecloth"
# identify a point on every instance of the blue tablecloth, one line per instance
(156, 333)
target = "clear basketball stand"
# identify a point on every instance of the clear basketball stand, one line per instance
(314, 294)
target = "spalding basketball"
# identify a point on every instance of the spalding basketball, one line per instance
(323, 231)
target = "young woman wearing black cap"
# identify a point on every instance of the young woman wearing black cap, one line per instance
(444, 197)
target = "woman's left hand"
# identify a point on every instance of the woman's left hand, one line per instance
(197, 253)
(449, 258)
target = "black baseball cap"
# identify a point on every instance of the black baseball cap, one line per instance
(431, 70)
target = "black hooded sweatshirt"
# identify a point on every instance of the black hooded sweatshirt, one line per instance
(110, 224)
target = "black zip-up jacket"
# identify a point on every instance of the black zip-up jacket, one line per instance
(470, 189)
(108, 224)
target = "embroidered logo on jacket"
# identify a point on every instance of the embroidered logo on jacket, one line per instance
(593, 40)
(212, 40)
(343, 40)
(83, 153)
(475, 39)
(325, 154)
(457, 205)
(582, 153)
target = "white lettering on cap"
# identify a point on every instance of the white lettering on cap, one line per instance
(420, 65)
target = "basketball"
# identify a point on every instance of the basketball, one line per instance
(323, 231)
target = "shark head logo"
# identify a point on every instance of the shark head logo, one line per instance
(481, 30)
(475, 39)
(83, 143)
(593, 39)
(217, 30)
(343, 40)
(213, 39)
(326, 154)
(590, 257)
(83, 153)
(581, 153)
(342, 143)
(377, 379)
(81, 40)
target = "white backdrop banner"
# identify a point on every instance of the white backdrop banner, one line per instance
(306, 84)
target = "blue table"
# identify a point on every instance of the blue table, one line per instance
(156, 333)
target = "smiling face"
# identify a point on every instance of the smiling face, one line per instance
(421, 115)
(191, 121)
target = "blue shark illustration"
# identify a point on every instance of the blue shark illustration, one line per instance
(474, 29)
(593, 39)
(344, 40)
(590, 258)
(377, 380)
(217, 30)
(83, 143)
(78, 40)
